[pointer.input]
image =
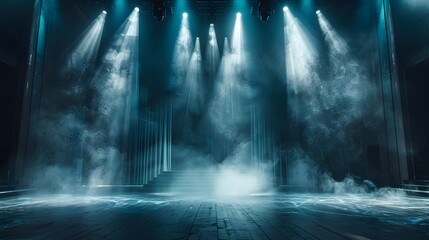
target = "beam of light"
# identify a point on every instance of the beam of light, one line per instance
(221, 109)
(336, 43)
(65, 167)
(329, 95)
(237, 46)
(134, 25)
(226, 109)
(84, 53)
(300, 52)
(195, 89)
(110, 109)
(226, 106)
(212, 53)
(349, 81)
(182, 53)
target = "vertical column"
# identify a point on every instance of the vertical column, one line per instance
(31, 88)
(393, 154)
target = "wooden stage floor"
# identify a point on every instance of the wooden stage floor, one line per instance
(163, 216)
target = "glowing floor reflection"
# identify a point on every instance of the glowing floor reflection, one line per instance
(392, 207)
(382, 215)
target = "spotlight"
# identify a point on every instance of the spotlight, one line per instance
(318, 12)
(185, 15)
(285, 9)
(238, 14)
(104, 12)
(211, 24)
(198, 38)
(159, 10)
(136, 9)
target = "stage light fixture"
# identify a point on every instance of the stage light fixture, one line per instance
(263, 9)
(318, 12)
(185, 15)
(285, 9)
(238, 14)
(169, 8)
(136, 9)
(253, 8)
(159, 10)
(211, 24)
(104, 12)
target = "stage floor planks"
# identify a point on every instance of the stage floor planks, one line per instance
(160, 216)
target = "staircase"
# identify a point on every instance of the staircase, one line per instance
(416, 187)
(186, 182)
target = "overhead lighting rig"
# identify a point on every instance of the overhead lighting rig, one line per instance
(161, 8)
(262, 8)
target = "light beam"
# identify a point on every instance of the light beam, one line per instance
(195, 97)
(110, 109)
(212, 53)
(237, 45)
(300, 52)
(336, 42)
(182, 53)
(83, 54)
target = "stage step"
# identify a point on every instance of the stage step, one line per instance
(416, 187)
(183, 182)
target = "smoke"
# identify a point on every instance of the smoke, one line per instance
(348, 185)
(110, 107)
(302, 170)
(305, 173)
(188, 157)
(332, 96)
(234, 126)
(237, 176)
(58, 158)
(234, 177)
(56, 178)
(81, 126)
(230, 102)
(182, 54)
